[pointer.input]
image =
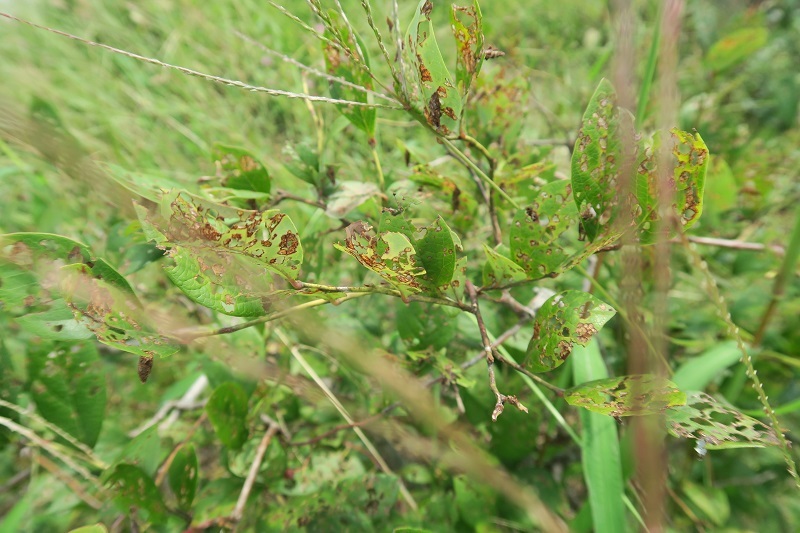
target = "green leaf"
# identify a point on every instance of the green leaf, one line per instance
(395, 220)
(58, 324)
(69, 389)
(635, 395)
(422, 325)
(735, 48)
(227, 411)
(475, 501)
(595, 164)
(390, 255)
(134, 488)
(221, 254)
(467, 25)
(435, 94)
(565, 319)
(696, 373)
(704, 418)
(96, 528)
(437, 253)
(144, 451)
(350, 67)
(538, 243)
(499, 270)
(237, 168)
(182, 476)
(600, 451)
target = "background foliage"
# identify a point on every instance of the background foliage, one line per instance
(311, 401)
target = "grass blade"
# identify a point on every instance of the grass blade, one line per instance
(602, 466)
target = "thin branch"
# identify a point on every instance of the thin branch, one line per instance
(238, 511)
(475, 168)
(368, 10)
(72, 483)
(337, 429)
(198, 74)
(172, 408)
(502, 399)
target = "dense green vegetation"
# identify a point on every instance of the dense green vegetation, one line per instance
(227, 308)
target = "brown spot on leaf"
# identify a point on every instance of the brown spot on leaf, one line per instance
(433, 111)
(564, 349)
(584, 332)
(289, 244)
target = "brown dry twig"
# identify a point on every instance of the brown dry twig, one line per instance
(491, 354)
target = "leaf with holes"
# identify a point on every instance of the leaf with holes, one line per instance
(704, 418)
(237, 168)
(636, 395)
(227, 411)
(435, 95)
(499, 270)
(390, 255)
(467, 25)
(566, 318)
(134, 488)
(69, 388)
(182, 476)
(100, 298)
(595, 162)
(221, 254)
(437, 253)
(689, 163)
(538, 241)
(350, 67)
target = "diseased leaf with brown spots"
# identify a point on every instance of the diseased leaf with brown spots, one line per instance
(720, 426)
(223, 256)
(430, 88)
(636, 395)
(467, 25)
(595, 163)
(100, 298)
(390, 255)
(566, 318)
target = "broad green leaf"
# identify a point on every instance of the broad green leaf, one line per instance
(390, 255)
(476, 502)
(704, 418)
(600, 449)
(437, 253)
(422, 325)
(538, 243)
(222, 254)
(350, 67)
(567, 318)
(396, 221)
(58, 323)
(144, 451)
(499, 270)
(227, 411)
(697, 372)
(237, 168)
(635, 395)
(595, 162)
(434, 92)
(134, 488)
(467, 25)
(182, 476)
(735, 48)
(69, 389)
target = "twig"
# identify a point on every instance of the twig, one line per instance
(342, 411)
(69, 481)
(187, 402)
(337, 429)
(735, 244)
(490, 354)
(238, 511)
(164, 469)
(466, 161)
